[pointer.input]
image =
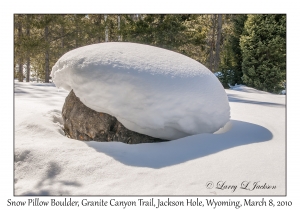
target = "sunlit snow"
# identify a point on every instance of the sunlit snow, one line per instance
(150, 90)
(251, 148)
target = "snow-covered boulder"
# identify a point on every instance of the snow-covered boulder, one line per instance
(83, 123)
(150, 90)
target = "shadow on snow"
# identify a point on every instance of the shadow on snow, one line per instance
(233, 98)
(53, 170)
(159, 155)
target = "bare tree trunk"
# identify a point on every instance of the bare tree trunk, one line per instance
(15, 72)
(28, 69)
(20, 74)
(62, 32)
(28, 51)
(212, 44)
(46, 56)
(219, 33)
(135, 17)
(76, 37)
(99, 25)
(119, 22)
(106, 28)
(79, 35)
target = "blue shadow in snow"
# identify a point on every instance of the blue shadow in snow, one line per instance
(159, 155)
(233, 98)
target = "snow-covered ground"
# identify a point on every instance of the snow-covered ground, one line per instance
(251, 148)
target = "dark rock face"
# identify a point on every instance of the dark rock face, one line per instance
(83, 123)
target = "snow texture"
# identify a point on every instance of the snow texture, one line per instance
(251, 147)
(150, 90)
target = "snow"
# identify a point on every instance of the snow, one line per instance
(150, 90)
(244, 88)
(251, 147)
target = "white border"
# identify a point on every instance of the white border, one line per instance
(8, 8)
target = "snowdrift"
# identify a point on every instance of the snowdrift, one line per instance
(49, 163)
(150, 90)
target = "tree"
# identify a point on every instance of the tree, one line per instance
(165, 31)
(264, 52)
(211, 28)
(119, 27)
(95, 31)
(231, 55)
(196, 37)
(46, 35)
(28, 50)
(106, 28)
(212, 42)
(218, 44)
(21, 76)
(19, 50)
(238, 22)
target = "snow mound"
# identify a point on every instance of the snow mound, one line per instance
(150, 90)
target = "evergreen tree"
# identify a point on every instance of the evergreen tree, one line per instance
(214, 40)
(19, 46)
(231, 56)
(165, 31)
(236, 65)
(96, 28)
(28, 49)
(264, 52)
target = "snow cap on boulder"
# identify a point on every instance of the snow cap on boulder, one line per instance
(150, 90)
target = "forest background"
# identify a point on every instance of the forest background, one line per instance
(238, 48)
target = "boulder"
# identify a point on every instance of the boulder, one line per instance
(83, 123)
(150, 90)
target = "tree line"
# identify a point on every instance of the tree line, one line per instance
(241, 49)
